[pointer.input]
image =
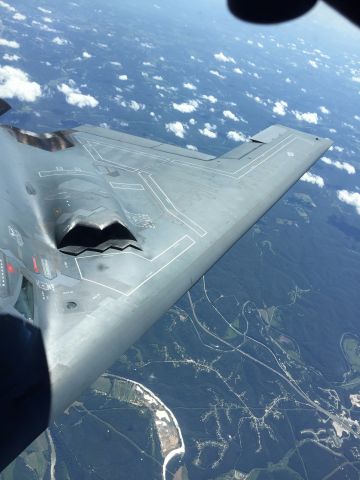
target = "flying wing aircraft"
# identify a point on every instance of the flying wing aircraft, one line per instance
(101, 232)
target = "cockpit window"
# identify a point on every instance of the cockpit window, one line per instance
(25, 302)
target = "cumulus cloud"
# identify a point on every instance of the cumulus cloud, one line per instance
(8, 43)
(207, 133)
(86, 55)
(60, 41)
(350, 198)
(238, 70)
(189, 86)
(355, 79)
(73, 96)
(177, 128)
(11, 58)
(280, 107)
(19, 16)
(7, 6)
(14, 83)
(230, 115)
(314, 179)
(217, 74)
(208, 130)
(306, 116)
(236, 136)
(209, 98)
(191, 147)
(133, 105)
(123, 77)
(184, 107)
(350, 169)
(221, 57)
(158, 78)
(313, 64)
(324, 110)
(116, 64)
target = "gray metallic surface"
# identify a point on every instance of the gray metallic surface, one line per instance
(183, 210)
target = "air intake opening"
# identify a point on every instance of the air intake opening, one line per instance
(87, 237)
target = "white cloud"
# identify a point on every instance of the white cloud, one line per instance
(209, 98)
(313, 64)
(7, 6)
(207, 133)
(86, 54)
(47, 20)
(355, 79)
(44, 10)
(260, 45)
(306, 116)
(217, 74)
(236, 136)
(230, 115)
(134, 105)
(184, 107)
(357, 117)
(350, 198)
(158, 78)
(177, 128)
(116, 64)
(123, 77)
(221, 57)
(189, 86)
(73, 96)
(60, 41)
(15, 83)
(208, 130)
(191, 147)
(11, 58)
(324, 110)
(350, 169)
(8, 43)
(238, 70)
(280, 107)
(314, 179)
(19, 16)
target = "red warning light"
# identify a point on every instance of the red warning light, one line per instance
(36, 268)
(10, 268)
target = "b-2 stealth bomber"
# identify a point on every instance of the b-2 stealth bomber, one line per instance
(100, 233)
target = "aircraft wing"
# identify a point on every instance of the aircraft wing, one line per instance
(102, 232)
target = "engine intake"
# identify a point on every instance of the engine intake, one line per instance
(84, 236)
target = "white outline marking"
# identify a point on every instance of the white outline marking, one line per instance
(186, 220)
(127, 186)
(137, 255)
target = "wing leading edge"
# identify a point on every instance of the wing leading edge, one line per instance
(183, 210)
